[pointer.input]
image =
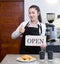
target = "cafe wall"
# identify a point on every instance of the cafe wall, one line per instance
(11, 15)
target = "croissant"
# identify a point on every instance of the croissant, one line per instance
(26, 57)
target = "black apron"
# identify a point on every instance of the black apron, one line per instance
(30, 49)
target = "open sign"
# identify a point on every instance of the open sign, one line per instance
(34, 40)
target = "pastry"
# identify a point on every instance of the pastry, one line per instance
(26, 58)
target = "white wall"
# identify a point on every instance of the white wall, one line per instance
(44, 7)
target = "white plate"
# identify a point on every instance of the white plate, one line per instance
(26, 60)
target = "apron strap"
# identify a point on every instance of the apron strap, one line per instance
(40, 29)
(27, 25)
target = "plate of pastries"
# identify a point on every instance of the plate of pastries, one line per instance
(26, 58)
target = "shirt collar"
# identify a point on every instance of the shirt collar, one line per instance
(38, 23)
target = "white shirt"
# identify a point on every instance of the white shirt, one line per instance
(17, 33)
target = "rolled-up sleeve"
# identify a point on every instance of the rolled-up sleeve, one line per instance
(17, 33)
